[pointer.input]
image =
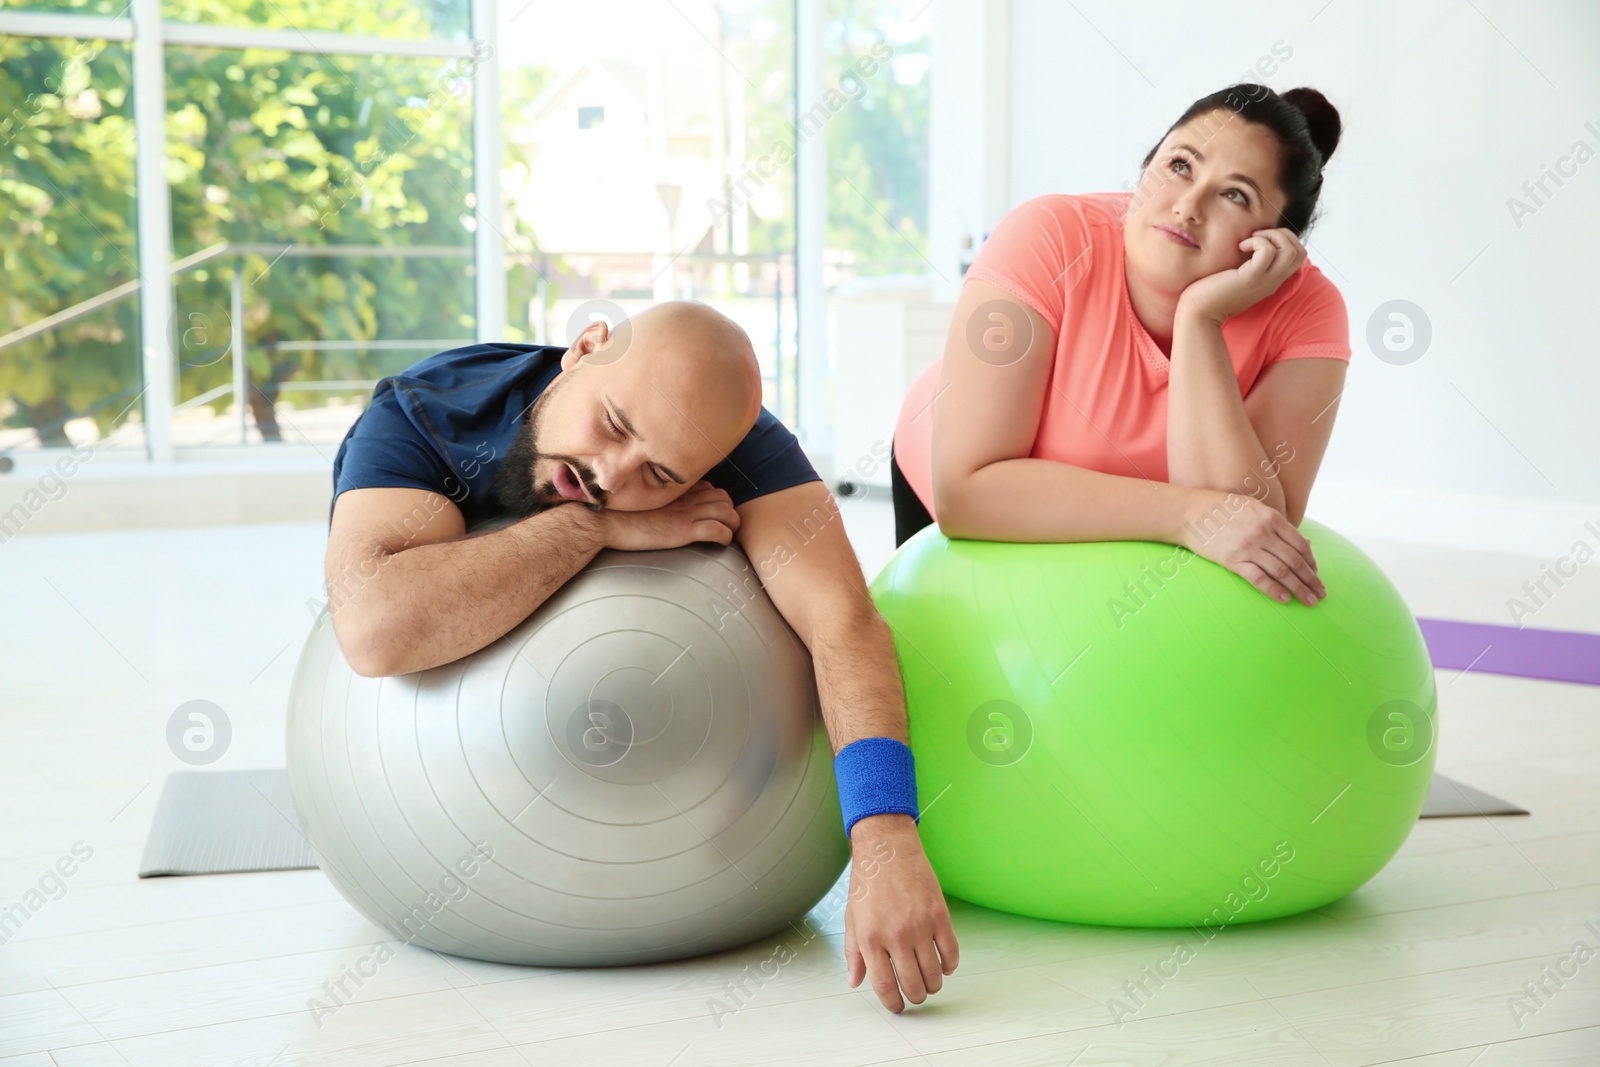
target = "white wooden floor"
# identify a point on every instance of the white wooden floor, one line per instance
(103, 635)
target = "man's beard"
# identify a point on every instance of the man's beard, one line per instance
(513, 482)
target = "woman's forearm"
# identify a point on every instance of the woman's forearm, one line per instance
(1043, 500)
(1211, 443)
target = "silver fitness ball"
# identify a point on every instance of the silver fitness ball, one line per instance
(637, 772)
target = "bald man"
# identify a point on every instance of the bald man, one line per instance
(649, 437)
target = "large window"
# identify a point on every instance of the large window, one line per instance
(330, 197)
(653, 162)
(877, 58)
(67, 244)
(328, 220)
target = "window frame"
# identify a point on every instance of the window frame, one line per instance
(149, 35)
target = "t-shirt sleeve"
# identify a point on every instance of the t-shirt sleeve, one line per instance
(1314, 323)
(1034, 252)
(385, 449)
(768, 459)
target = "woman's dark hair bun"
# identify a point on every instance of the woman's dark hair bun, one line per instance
(1322, 118)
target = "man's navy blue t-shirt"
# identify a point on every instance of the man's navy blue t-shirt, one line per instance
(445, 423)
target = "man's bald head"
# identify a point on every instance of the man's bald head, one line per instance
(695, 355)
(638, 414)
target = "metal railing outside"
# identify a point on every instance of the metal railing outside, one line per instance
(548, 265)
(237, 347)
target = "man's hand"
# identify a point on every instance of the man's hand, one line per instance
(704, 513)
(896, 924)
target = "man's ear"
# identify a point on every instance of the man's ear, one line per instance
(593, 336)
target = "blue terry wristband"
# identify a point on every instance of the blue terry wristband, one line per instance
(876, 777)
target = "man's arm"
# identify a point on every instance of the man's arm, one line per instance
(408, 590)
(897, 922)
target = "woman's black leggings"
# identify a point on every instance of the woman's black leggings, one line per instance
(909, 514)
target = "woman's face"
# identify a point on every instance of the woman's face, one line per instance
(1214, 179)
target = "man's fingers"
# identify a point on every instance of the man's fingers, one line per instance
(706, 488)
(711, 530)
(719, 507)
(713, 520)
(908, 971)
(944, 936)
(703, 492)
(928, 964)
(855, 966)
(883, 979)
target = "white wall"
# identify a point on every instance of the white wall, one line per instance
(1490, 438)
(969, 108)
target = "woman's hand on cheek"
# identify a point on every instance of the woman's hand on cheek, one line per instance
(1274, 255)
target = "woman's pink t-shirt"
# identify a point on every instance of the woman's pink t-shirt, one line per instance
(1105, 407)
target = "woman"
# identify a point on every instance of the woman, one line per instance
(1161, 365)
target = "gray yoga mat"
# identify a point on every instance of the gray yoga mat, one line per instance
(225, 822)
(230, 822)
(1448, 797)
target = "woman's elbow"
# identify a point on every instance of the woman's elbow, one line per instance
(952, 509)
(1290, 503)
(947, 503)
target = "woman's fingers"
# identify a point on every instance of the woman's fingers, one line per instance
(1263, 547)
(1284, 241)
(1282, 557)
(1293, 548)
(1280, 571)
(1308, 570)
(1290, 570)
(1251, 572)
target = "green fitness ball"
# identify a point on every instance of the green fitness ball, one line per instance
(1125, 733)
